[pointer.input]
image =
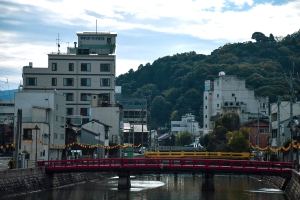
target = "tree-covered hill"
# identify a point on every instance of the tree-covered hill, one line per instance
(176, 83)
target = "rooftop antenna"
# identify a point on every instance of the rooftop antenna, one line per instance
(58, 45)
(96, 26)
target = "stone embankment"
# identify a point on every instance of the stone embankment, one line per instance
(21, 181)
(292, 187)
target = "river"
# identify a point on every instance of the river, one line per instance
(160, 187)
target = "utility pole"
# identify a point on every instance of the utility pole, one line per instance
(291, 112)
(278, 126)
(258, 134)
(142, 115)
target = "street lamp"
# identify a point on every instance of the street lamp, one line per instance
(36, 128)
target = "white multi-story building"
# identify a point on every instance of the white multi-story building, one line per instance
(88, 68)
(40, 130)
(282, 120)
(187, 123)
(228, 94)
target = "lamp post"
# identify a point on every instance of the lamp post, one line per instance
(36, 128)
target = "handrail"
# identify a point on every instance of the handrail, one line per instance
(169, 164)
(197, 154)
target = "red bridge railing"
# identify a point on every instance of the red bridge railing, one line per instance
(170, 164)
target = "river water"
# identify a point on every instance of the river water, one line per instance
(160, 187)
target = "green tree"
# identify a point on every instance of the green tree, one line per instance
(183, 138)
(238, 140)
(206, 141)
(230, 121)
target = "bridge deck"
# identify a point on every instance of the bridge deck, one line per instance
(170, 165)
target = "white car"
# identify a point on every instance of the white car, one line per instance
(142, 150)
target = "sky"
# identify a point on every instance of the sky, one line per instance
(146, 29)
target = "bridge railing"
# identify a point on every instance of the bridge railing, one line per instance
(169, 164)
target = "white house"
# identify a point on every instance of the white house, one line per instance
(187, 123)
(40, 125)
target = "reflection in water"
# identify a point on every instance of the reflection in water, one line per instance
(153, 187)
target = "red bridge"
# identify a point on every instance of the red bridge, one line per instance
(166, 165)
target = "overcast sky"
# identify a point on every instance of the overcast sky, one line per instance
(147, 29)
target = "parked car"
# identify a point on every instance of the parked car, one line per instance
(142, 150)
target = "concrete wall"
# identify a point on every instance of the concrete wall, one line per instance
(292, 189)
(21, 181)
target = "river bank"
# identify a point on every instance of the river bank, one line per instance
(22, 181)
(16, 182)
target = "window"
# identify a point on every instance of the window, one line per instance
(205, 97)
(274, 133)
(86, 67)
(217, 105)
(62, 119)
(69, 111)
(217, 95)
(62, 136)
(205, 116)
(54, 66)
(104, 82)
(84, 111)
(55, 136)
(85, 82)
(54, 81)
(68, 81)
(205, 107)
(69, 96)
(31, 81)
(71, 66)
(104, 67)
(85, 97)
(56, 106)
(27, 134)
(108, 40)
(232, 95)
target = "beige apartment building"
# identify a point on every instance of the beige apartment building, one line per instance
(87, 68)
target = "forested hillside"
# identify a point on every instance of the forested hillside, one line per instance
(176, 83)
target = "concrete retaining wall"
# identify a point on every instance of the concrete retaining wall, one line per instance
(292, 189)
(21, 181)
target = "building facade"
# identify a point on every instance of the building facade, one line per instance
(88, 68)
(280, 116)
(187, 123)
(40, 126)
(228, 94)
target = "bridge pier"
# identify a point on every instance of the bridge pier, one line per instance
(124, 181)
(208, 181)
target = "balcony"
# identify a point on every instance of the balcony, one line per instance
(92, 49)
(34, 119)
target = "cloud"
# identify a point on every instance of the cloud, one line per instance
(124, 65)
(202, 19)
(144, 27)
